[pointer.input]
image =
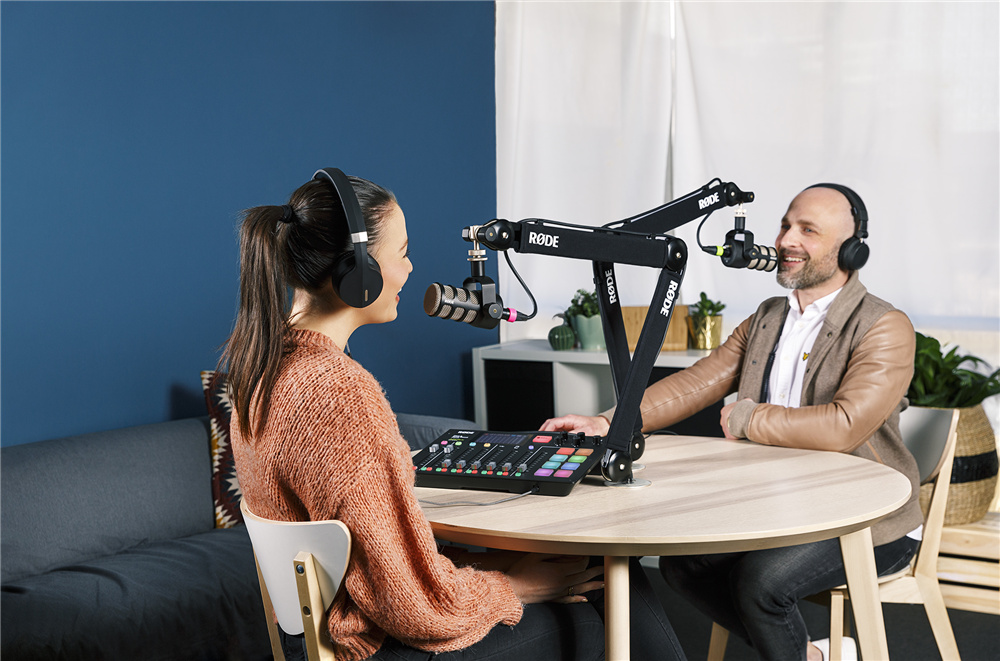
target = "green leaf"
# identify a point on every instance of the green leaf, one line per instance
(940, 381)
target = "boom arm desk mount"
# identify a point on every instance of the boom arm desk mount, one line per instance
(641, 240)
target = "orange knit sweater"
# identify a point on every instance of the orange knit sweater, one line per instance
(332, 450)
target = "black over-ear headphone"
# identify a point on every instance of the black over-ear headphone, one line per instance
(854, 251)
(356, 276)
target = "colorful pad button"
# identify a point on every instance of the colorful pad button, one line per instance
(543, 472)
(564, 473)
(570, 467)
(542, 439)
(564, 451)
(584, 452)
(577, 458)
(552, 464)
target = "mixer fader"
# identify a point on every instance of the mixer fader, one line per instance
(550, 462)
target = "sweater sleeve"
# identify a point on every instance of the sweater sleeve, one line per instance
(396, 576)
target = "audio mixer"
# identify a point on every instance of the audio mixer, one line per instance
(551, 462)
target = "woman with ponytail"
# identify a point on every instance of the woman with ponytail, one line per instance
(315, 439)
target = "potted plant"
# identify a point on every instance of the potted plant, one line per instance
(562, 337)
(705, 323)
(584, 316)
(944, 380)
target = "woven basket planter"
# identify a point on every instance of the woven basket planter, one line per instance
(974, 474)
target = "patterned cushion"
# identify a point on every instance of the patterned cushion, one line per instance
(226, 490)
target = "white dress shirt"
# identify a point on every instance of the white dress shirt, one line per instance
(792, 355)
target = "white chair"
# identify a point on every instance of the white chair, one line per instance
(930, 436)
(301, 566)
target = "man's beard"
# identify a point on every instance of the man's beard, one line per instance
(812, 273)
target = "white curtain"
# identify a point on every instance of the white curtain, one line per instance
(897, 100)
(583, 106)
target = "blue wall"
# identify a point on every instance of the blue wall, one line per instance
(133, 133)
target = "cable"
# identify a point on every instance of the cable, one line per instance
(534, 304)
(458, 503)
(697, 235)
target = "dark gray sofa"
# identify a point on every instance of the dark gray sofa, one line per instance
(109, 549)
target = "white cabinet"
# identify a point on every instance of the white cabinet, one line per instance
(518, 384)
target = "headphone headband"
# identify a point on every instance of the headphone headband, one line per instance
(356, 275)
(858, 210)
(854, 251)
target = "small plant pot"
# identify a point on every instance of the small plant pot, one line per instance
(704, 332)
(562, 338)
(590, 331)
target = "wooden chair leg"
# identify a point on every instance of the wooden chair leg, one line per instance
(837, 624)
(937, 614)
(717, 644)
(272, 626)
(311, 602)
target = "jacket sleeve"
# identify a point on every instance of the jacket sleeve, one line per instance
(684, 393)
(877, 377)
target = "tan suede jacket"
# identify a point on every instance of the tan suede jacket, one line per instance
(856, 380)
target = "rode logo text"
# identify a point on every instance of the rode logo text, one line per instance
(668, 301)
(706, 201)
(609, 281)
(540, 239)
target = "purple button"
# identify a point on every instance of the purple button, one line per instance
(545, 472)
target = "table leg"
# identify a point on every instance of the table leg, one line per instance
(616, 615)
(862, 585)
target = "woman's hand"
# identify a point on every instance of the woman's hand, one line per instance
(560, 578)
(592, 425)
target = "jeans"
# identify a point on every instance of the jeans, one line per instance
(551, 632)
(755, 594)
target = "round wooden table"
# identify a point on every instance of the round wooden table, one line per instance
(708, 495)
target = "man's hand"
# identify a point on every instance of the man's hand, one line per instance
(724, 419)
(595, 425)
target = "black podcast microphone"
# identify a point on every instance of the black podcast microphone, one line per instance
(465, 305)
(744, 253)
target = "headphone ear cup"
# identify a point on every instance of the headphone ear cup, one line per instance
(357, 286)
(853, 254)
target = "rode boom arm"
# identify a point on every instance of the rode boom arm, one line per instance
(641, 240)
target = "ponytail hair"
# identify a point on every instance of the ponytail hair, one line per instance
(289, 246)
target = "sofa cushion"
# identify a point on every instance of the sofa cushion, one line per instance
(72, 499)
(422, 430)
(226, 492)
(196, 597)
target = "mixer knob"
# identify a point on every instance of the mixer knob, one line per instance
(522, 468)
(491, 466)
(506, 467)
(434, 448)
(448, 449)
(579, 438)
(446, 463)
(461, 464)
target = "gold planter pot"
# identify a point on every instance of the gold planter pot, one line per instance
(704, 332)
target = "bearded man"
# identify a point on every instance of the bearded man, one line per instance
(825, 368)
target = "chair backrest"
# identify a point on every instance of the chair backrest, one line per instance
(926, 434)
(276, 543)
(930, 435)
